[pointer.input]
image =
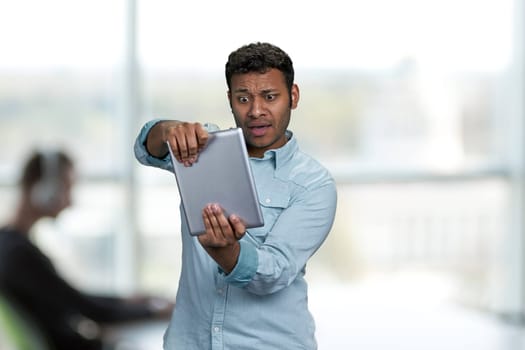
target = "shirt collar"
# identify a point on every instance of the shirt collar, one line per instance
(282, 154)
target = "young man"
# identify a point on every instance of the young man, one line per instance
(29, 280)
(236, 292)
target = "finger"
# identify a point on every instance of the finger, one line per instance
(239, 228)
(213, 215)
(176, 139)
(217, 227)
(209, 234)
(225, 228)
(202, 136)
(184, 142)
(223, 225)
(213, 237)
(182, 147)
(194, 138)
(209, 219)
(172, 143)
(206, 218)
(192, 144)
(198, 143)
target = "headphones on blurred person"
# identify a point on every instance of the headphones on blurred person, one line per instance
(45, 192)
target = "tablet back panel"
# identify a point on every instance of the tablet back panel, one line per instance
(221, 175)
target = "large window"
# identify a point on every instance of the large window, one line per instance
(406, 102)
(60, 73)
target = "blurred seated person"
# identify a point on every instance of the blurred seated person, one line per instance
(69, 319)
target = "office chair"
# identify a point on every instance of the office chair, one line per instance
(17, 331)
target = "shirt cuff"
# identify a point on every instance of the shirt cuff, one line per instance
(246, 266)
(141, 153)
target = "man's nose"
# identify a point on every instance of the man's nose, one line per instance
(256, 108)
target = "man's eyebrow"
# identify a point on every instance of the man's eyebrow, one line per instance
(264, 91)
(240, 90)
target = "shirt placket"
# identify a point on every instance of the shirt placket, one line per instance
(219, 310)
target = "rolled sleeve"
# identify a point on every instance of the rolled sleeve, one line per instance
(246, 266)
(142, 154)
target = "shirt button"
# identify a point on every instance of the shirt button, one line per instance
(220, 291)
(267, 200)
(216, 329)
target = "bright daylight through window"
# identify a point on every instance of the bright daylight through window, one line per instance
(407, 102)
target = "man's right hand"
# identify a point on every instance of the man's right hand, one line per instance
(186, 140)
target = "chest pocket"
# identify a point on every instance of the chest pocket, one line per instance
(272, 205)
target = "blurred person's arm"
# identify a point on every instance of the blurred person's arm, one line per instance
(155, 306)
(35, 280)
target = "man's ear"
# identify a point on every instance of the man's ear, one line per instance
(294, 93)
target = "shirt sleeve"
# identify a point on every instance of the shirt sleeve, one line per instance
(297, 234)
(142, 154)
(246, 266)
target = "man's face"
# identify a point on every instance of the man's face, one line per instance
(63, 194)
(261, 107)
(67, 188)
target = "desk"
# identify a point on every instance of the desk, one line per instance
(140, 335)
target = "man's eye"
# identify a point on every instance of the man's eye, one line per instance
(243, 99)
(270, 97)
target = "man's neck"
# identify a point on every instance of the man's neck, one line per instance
(24, 219)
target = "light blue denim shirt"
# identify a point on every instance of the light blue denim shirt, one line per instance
(262, 304)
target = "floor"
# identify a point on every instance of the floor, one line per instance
(359, 318)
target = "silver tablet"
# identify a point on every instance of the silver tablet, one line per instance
(222, 174)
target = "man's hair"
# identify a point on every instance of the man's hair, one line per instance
(34, 169)
(259, 57)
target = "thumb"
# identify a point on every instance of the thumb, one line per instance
(239, 228)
